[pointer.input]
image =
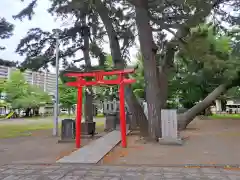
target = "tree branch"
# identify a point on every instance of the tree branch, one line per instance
(27, 11)
(113, 39)
(184, 29)
(78, 60)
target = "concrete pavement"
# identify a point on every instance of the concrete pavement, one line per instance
(96, 172)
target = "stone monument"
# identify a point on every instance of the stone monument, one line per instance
(170, 134)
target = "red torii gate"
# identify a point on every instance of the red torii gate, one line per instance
(99, 80)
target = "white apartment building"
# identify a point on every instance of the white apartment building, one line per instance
(45, 81)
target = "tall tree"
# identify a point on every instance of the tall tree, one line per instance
(213, 66)
(22, 95)
(200, 65)
(113, 20)
(114, 32)
(176, 17)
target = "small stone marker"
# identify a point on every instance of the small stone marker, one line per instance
(170, 134)
(68, 130)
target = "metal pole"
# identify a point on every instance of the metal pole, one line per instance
(55, 125)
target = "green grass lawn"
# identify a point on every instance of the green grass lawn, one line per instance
(61, 116)
(225, 116)
(19, 130)
(72, 116)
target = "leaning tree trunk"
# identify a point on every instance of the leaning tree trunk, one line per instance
(151, 72)
(185, 118)
(133, 104)
(136, 109)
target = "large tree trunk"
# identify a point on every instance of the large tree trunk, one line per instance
(133, 104)
(69, 111)
(163, 81)
(27, 112)
(185, 118)
(151, 72)
(164, 71)
(88, 106)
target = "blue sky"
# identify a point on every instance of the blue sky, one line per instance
(42, 19)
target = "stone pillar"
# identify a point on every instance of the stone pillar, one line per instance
(218, 105)
(111, 122)
(170, 135)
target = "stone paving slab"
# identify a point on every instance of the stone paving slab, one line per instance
(94, 151)
(96, 172)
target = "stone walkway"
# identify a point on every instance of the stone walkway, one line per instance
(93, 152)
(94, 172)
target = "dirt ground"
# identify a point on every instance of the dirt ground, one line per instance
(41, 147)
(207, 142)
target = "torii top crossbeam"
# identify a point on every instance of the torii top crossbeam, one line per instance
(105, 73)
(99, 78)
